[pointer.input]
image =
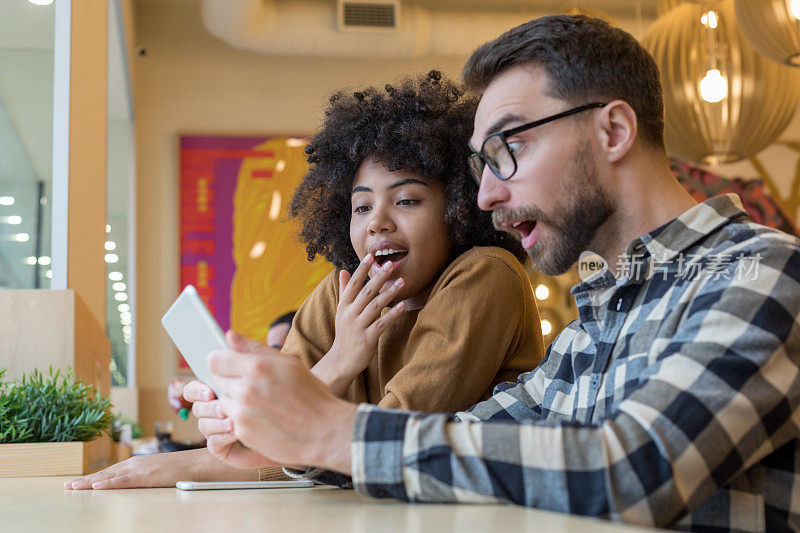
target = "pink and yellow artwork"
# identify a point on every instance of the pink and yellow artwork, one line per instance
(238, 247)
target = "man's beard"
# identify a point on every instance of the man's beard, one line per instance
(573, 223)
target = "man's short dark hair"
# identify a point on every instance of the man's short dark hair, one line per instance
(586, 59)
(283, 319)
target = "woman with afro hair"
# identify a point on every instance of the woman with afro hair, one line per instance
(428, 306)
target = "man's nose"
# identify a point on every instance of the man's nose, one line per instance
(493, 191)
(380, 222)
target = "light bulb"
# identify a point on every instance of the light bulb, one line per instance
(794, 7)
(710, 19)
(6, 200)
(115, 276)
(41, 2)
(713, 86)
(121, 297)
(542, 292)
(110, 245)
(111, 258)
(547, 327)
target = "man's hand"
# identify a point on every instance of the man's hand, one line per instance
(280, 411)
(221, 441)
(359, 324)
(212, 422)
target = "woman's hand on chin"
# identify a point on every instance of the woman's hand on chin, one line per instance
(359, 323)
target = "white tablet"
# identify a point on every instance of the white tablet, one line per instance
(195, 332)
(223, 485)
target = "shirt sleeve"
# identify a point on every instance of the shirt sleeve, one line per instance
(312, 332)
(719, 397)
(450, 361)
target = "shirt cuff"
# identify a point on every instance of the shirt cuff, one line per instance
(318, 475)
(377, 452)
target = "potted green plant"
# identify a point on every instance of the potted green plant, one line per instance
(45, 421)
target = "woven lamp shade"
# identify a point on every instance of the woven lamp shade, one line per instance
(761, 99)
(771, 28)
(666, 5)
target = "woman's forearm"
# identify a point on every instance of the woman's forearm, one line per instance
(334, 373)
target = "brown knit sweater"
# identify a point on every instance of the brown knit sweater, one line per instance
(479, 327)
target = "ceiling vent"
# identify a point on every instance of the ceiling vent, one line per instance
(368, 15)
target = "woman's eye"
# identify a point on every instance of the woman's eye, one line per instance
(361, 209)
(407, 201)
(515, 147)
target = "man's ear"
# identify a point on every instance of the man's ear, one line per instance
(618, 129)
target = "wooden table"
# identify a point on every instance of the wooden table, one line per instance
(41, 504)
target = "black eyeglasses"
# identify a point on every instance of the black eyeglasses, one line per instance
(497, 153)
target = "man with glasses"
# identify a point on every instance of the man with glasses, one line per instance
(674, 399)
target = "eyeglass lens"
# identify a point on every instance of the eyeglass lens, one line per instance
(498, 157)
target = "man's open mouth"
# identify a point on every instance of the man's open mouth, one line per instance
(525, 228)
(389, 254)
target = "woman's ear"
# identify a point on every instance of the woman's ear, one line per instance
(618, 129)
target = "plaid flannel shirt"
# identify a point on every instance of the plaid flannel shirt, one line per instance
(673, 400)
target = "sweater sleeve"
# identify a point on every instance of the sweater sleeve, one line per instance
(314, 330)
(480, 326)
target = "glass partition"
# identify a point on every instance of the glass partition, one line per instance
(119, 246)
(26, 143)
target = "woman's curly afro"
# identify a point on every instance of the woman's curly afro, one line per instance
(422, 125)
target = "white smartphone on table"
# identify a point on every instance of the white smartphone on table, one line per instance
(228, 485)
(195, 332)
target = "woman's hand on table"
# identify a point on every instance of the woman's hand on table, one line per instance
(359, 324)
(155, 470)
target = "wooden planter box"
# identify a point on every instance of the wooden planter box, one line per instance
(44, 459)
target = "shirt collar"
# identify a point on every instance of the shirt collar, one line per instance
(664, 243)
(695, 224)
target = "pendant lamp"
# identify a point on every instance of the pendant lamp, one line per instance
(723, 101)
(772, 27)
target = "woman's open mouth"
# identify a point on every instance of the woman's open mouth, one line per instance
(389, 254)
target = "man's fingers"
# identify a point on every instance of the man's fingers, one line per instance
(230, 364)
(214, 426)
(244, 345)
(197, 391)
(219, 445)
(356, 281)
(211, 409)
